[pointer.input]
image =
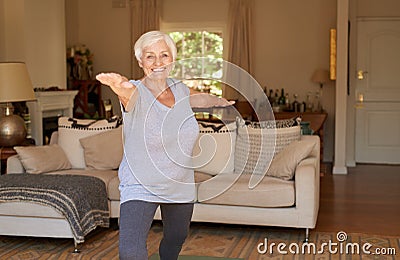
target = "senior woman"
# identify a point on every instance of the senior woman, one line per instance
(159, 135)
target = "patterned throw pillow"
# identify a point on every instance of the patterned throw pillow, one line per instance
(258, 142)
(214, 150)
(70, 130)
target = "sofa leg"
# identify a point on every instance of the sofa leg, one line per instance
(114, 223)
(306, 239)
(76, 249)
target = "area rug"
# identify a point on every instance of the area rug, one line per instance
(213, 241)
(188, 257)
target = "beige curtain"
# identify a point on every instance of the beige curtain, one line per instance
(240, 51)
(145, 16)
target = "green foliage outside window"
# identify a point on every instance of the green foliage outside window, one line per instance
(204, 44)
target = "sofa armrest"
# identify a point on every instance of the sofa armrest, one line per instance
(307, 182)
(14, 165)
(54, 138)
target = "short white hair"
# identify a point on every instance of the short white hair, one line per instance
(150, 38)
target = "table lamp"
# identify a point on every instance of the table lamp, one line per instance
(15, 86)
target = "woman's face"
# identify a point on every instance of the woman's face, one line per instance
(155, 59)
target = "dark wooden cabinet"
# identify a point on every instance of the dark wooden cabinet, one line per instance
(88, 101)
(6, 152)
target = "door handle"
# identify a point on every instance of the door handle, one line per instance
(361, 74)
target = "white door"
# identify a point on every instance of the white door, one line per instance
(378, 91)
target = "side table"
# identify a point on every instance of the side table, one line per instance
(6, 152)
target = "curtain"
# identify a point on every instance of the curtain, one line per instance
(145, 16)
(240, 50)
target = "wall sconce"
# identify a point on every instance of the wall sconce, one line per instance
(320, 76)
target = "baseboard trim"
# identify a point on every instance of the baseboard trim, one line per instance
(339, 170)
(351, 163)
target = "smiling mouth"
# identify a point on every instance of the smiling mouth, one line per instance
(159, 69)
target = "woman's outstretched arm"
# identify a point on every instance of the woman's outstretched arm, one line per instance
(125, 90)
(204, 100)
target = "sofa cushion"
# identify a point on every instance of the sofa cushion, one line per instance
(70, 130)
(113, 189)
(284, 164)
(41, 159)
(257, 144)
(103, 151)
(233, 189)
(214, 150)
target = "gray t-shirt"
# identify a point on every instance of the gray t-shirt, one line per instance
(158, 144)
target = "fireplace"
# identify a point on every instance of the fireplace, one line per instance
(49, 125)
(44, 112)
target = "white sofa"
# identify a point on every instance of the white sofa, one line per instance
(274, 202)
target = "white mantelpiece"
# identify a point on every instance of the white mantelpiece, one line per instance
(49, 104)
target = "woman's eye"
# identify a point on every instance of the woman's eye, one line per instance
(165, 55)
(150, 57)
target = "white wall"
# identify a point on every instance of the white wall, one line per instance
(34, 32)
(106, 32)
(292, 40)
(2, 30)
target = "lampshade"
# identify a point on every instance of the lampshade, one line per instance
(320, 76)
(15, 86)
(15, 83)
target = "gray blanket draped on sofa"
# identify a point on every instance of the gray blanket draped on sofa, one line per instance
(81, 199)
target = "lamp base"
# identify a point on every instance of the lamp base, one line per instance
(12, 130)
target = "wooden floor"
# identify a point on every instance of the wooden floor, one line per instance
(366, 200)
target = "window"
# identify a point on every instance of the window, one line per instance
(200, 44)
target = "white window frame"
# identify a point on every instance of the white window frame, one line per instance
(191, 27)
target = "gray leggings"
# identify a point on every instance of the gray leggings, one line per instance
(135, 222)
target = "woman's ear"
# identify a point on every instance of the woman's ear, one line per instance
(140, 64)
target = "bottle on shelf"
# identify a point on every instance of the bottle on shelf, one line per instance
(317, 103)
(303, 107)
(295, 104)
(275, 104)
(288, 105)
(309, 103)
(265, 90)
(271, 98)
(282, 101)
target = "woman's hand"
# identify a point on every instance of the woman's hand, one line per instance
(120, 85)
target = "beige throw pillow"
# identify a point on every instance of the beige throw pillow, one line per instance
(214, 151)
(41, 159)
(284, 164)
(103, 151)
(70, 130)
